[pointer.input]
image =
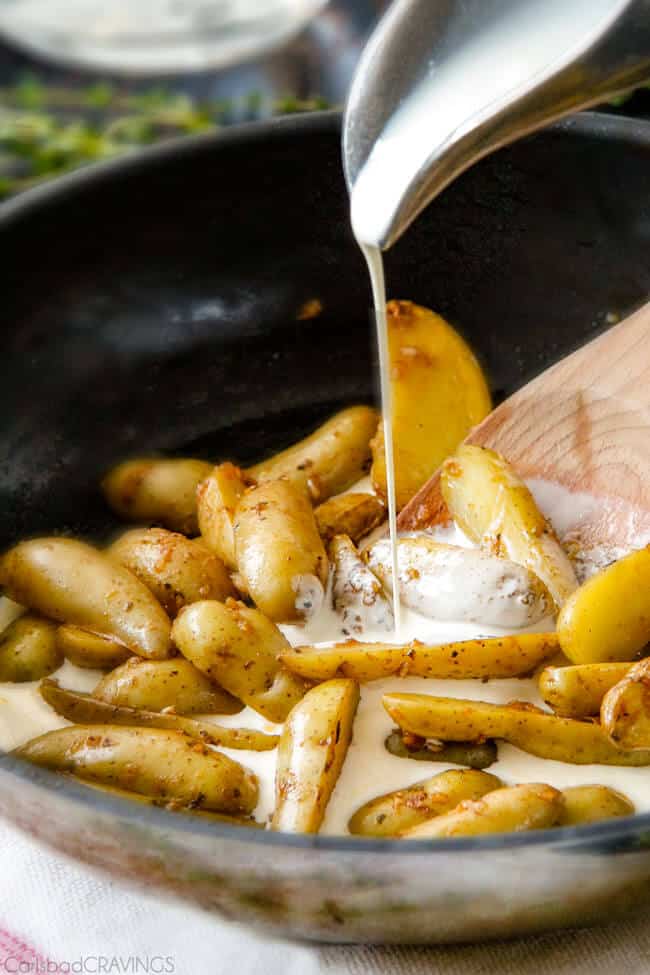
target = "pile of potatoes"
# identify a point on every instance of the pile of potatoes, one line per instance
(183, 619)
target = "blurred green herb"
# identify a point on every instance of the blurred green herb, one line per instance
(46, 131)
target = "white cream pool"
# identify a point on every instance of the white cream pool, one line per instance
(369, 769)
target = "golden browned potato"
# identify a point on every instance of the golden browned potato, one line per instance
(354, 515)
(239, 648)
(489, 657)
(28, 650)
(449, 582)
(439, 394)
(357, 594)
(312, 749)
(86, 709)
(333, 458)
(280, 554)
(157, 489)
(90, 651)
(608, 617)
(591, 803)
(625, 711)
(217, 498)
(523, 725)
(177, 570)
(473, 754)
(578, 691)
(517, 808)
(396, 812)
(493, 506)
(162, 764)
(155, 685)
(72, 582)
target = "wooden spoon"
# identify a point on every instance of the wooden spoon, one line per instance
(583, 424)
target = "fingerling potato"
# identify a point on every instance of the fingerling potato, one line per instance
(357, 594)
(85, 709)
(176, 569)
(608, 617)
(447, 582)
(625, 711)
(217, 498)
(396, 812)
(239, 648)
(439, 393)
(473, 754)
(526, 727)
(312, 749)
(490, 657)
(578, 691)
(28, 650)
(592, 803)
(72, 582)
(354, 515)
(333, 458)
(494, 507)
(157, 489)
(280, 554)
(155, 685)
(89, 650)
(162, 764)
(509, 810)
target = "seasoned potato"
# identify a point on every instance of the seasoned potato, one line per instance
(332, 459)
(439, 394)
(591, 803)
(217, 498)
(527, 727)
(577, 692)
(86, 709)
(72, 582)
(625, 711)
(157, 489)
(489, 657)
(162, 764)
(354, 515)
(608, 617)
(447, 582)
(357, 594)
(312, 749)
(155, 685)
(177, 570)
(517, 808)
(395, 812)
(494, 507)
(90, 651)
(28, 650)
(470, 753)
(239, 648)
(280, 554)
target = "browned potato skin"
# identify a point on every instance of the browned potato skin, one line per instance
(155, 685)
(312, 749)
(578, 691)
(69, 581)
(157, 489)
(90, 651)
(593, 803)
(162, 764)
(523, 725)
(395, 812)
(492, 657)
(517, 808)
(277, 543)
(333, 458)
(28, 650)
(354, 515)
(625, 711)
(217, 498)
(176, 569)
(84, 709)
(238, 647)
